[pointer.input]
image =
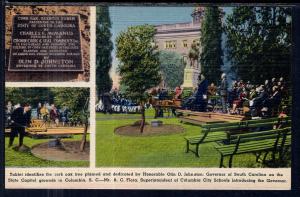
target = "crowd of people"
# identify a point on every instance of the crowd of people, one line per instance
(114, 102)
(242, 97)
(50, 114)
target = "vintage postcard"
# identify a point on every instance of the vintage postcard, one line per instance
(179, 97)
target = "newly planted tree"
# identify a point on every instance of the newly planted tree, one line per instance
(78, 104)
(139, 64)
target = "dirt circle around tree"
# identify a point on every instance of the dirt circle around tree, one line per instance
(68, 151)
(134, 130)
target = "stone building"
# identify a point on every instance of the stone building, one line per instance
(178, 38)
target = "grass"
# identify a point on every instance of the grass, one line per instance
(157, 151)
(19, 159)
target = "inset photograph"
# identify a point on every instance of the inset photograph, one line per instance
(193, 86)
(47, 127)
(47, 43)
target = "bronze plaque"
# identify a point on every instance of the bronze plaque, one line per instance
(45, 43)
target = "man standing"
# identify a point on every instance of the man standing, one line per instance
(54, 116)
(223, 92)
(107, 102)
(20, 119)
(201, 95)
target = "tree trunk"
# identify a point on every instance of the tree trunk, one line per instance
(83, 140)
(143, 118)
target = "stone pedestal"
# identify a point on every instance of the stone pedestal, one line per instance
(190, 78)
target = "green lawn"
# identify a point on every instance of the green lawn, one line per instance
(155, 151)
(18, 159)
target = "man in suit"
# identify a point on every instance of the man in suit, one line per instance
(223, 92)
(201, 94)
(107, 102)
(20, 119)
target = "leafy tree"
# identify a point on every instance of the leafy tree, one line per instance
(104, 48)
(31, 96)
(77, 100)
(259, 41)
(211, 38)
(139, 63)
(172, 68)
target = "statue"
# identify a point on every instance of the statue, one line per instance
(194, 54)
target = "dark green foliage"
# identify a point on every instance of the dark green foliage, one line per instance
(211, 35)
(259, 41)
(74, 98)
(172, 68)
(139, 61)
(104, 47)
(31, 96)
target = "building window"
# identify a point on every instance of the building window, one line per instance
(185, 43)
(170, 44)
(197, 41)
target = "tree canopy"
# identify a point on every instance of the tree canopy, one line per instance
(104, 48)
(30, 96)
(74, 98)
(259, 42)
(211, 38)
(172, 68)
(139, 61)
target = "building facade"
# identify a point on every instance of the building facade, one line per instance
(178, 38)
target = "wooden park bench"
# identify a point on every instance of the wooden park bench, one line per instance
(253, 142)
(260, 125)
(224, 131)
(285, 145)
(200, 118)
(210, 133)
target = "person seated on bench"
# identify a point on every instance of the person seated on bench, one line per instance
(211, 91)
(282, 122)
(163, 94)
(187, 103)
(239, 102)
(197, 101)
(258, 102)
(274, 100)
(178, 92)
